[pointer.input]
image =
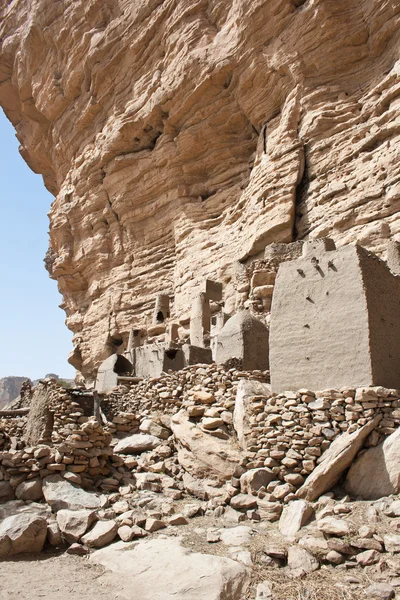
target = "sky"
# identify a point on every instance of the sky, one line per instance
(34, 339)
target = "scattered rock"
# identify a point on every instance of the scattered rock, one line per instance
(30, 490)
(137, 443)
(334, 526)
(102, 534)
(379, 591)
(177, 520)
(243, 502)
(236, 536)
(77, 550)
(392, 542)
(301, 562)
(254, 479)
(269, 511)
(73, 524)
(369, 557)
(154, 525)
(294, 516)
(264, 591)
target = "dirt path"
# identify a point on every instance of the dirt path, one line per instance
(50, 576)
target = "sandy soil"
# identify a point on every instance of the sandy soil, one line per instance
(50, 576)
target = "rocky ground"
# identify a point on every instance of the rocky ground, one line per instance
(202, 485)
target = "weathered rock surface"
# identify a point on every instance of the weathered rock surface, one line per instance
(267, 121)
(6, 491)
(203, 456)
(335, 461)
(60, 494)
(74, 523)
(294, 517)
(10, 388)
(377, 472)
(101, 534)
(30, 490)
(135, 444)
(23, 532)
(138, 567)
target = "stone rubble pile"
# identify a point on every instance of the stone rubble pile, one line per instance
(288, 433)
(176, 389)
(212, 444)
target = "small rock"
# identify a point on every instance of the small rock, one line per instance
(126, 533)
(244, 501)
(301, 562)
(77, 550)
(54, 534)
(213, 536)
(6, 492)
(154, 525)
(391, 542)
(393, 510)
(380, 591)
(254, 479)
(236, 536)
(137, 443)
(264, 591)
(334, 526)
(369, 557)
(23, 532)
(269, 511)
(334, 557)
(178, 520)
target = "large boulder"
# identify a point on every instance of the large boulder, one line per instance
(377, 472)
(30, 490)
(247, 389)
(137, 443)
(101, 534)
(15, 507)
(23, 532)
(161, 569)
(60, 493)
(6, 492)
(73, 524)
(203, 455)
(335, 461)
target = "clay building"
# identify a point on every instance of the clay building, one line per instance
(335, 320)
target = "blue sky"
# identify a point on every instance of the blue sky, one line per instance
(34, 339)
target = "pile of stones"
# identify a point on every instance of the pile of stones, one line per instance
(82, 457)
(174, 390)
(289, 432)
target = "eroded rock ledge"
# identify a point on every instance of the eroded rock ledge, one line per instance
(179, 137)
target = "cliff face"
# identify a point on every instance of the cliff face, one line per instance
(180, 136)
(10, 388)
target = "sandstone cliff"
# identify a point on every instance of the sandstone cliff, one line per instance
(179, 136)
(10, 388)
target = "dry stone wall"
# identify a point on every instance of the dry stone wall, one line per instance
(181, 137)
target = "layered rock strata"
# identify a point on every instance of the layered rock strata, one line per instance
(180, 137)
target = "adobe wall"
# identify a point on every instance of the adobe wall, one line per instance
(383, 302)
(319, 332)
